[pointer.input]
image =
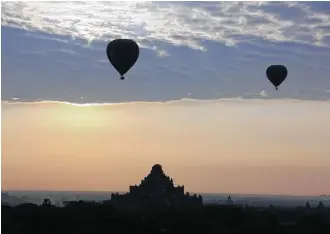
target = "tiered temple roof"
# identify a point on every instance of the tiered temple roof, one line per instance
(155, 190)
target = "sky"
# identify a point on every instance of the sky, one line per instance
(197, 100)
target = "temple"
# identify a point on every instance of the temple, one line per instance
(157, 190)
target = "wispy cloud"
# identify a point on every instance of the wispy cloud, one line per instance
(263, 93)
(183, 101)
(33, 52)
(45, 38)
(163, 53)
(66, 51)
(187, 24)
(103, 61)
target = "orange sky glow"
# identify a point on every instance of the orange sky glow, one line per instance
(226, 145)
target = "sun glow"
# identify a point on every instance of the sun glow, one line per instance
(84, 115)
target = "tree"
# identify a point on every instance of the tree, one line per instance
(320, 205)
(46, 202)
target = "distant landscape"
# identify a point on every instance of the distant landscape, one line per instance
(57, 197)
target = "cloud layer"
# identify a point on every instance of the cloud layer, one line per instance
(200, 50)
(187, 24)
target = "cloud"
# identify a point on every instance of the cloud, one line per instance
(46, 38)
(187, 24)
(45, 52)
(163, 53)
(183, 101)
(71, 52)
(103, 61)
(33, 52)
(263, 93)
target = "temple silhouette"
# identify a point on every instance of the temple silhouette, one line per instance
(156, 191)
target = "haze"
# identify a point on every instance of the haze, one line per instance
(229, 145)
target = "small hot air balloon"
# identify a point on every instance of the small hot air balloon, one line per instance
(276, 74)
(122, 54)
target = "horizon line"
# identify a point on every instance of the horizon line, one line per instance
(86, 104)
(197, 193)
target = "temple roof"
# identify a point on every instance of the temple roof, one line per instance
(157, 169)
(156, 178)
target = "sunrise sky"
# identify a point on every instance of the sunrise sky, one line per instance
(197, 101)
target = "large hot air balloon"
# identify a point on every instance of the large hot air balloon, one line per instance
(276, 74)
(122, 54)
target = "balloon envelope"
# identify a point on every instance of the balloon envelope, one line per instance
(122, 54)
(276, 74)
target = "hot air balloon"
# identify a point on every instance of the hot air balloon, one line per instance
(276, 74)
(122, 54)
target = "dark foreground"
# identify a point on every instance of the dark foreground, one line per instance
(79, 217)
